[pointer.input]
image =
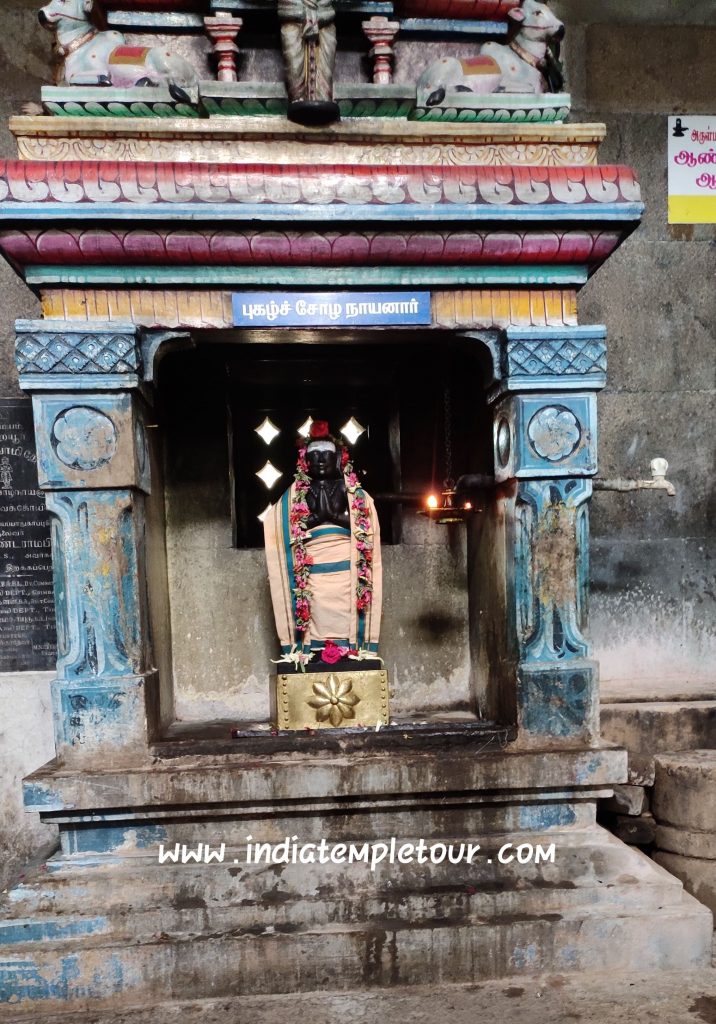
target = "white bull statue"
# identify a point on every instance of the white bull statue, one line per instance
(524, 65)
(92, 57)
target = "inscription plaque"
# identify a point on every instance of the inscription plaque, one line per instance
(27, 607)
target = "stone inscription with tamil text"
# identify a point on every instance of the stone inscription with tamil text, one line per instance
(27, 609)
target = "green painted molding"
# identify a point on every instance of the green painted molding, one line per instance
(237, 99)
(495, 108)
(97, 101)
(309, 277)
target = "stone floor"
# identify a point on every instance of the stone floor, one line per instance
(670, 998)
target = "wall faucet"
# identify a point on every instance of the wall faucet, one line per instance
(658, 482)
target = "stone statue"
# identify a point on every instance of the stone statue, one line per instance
(323, 554)
(91, 57)
(308, 41)
(527, 64)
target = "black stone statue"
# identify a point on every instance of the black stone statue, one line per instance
(327, 498)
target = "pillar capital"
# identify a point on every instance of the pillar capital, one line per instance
(74, 355)
(91, 441)
(545, 436)
(561, 358)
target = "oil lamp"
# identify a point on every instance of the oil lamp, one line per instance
(443, 509)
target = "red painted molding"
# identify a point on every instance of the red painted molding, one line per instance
(150, 184)
(159, 247)
(492, 10)
(166, 6)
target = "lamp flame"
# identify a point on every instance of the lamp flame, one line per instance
(432, 501)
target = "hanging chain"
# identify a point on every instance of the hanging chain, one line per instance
(447, 418)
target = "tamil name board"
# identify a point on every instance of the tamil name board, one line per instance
(331, 309)
(692, 170)
(27, 607)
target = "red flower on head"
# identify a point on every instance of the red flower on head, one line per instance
(320, 430)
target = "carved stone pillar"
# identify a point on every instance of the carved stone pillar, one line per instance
(381, 33)
(222, 29)
(544, 416)
(93, 465)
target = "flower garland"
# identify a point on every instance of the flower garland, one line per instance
(302, 561)
(298, 526)
(364, 541)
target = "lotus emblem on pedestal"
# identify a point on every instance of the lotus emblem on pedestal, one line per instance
(333, 700)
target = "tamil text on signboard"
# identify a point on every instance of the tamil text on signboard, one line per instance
(692, 170)
(331, 309)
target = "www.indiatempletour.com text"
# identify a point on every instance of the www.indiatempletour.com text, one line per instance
(390, 851)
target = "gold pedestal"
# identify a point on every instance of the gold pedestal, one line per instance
(330, 700)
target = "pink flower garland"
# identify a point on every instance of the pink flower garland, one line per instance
(302, 561)
(298, 526)
(364, 542)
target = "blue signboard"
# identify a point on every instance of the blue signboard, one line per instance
(331, 309)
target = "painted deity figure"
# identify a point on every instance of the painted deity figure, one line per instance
(323, 554)
(308, 42)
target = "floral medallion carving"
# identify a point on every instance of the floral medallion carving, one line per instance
(333, 700)
(84, 438)
(554, 433)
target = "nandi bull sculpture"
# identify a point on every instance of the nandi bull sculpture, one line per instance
(524, 65)
(92, 57)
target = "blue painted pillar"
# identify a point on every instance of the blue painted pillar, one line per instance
(545, 451)
(93, 465)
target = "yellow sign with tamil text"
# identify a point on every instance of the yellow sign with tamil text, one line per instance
(692, 170)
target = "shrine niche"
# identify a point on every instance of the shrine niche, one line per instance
(363, 226)
(223, 478)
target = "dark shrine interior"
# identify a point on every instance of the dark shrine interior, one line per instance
(424, 412)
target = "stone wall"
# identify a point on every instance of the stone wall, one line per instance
(25, 65)
(26, 743)
(25, 721)
(653, 557)
(653, 605)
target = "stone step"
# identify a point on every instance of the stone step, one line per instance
(340, 957)
(589, 868)
(648, 728)
(446, 817)
(685, 790)
(685, 842)
(697, 874)
(630, 800)
(605, 997)
(191, 913)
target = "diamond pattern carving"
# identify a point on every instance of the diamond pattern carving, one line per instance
(561, 357)
(76, 353)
